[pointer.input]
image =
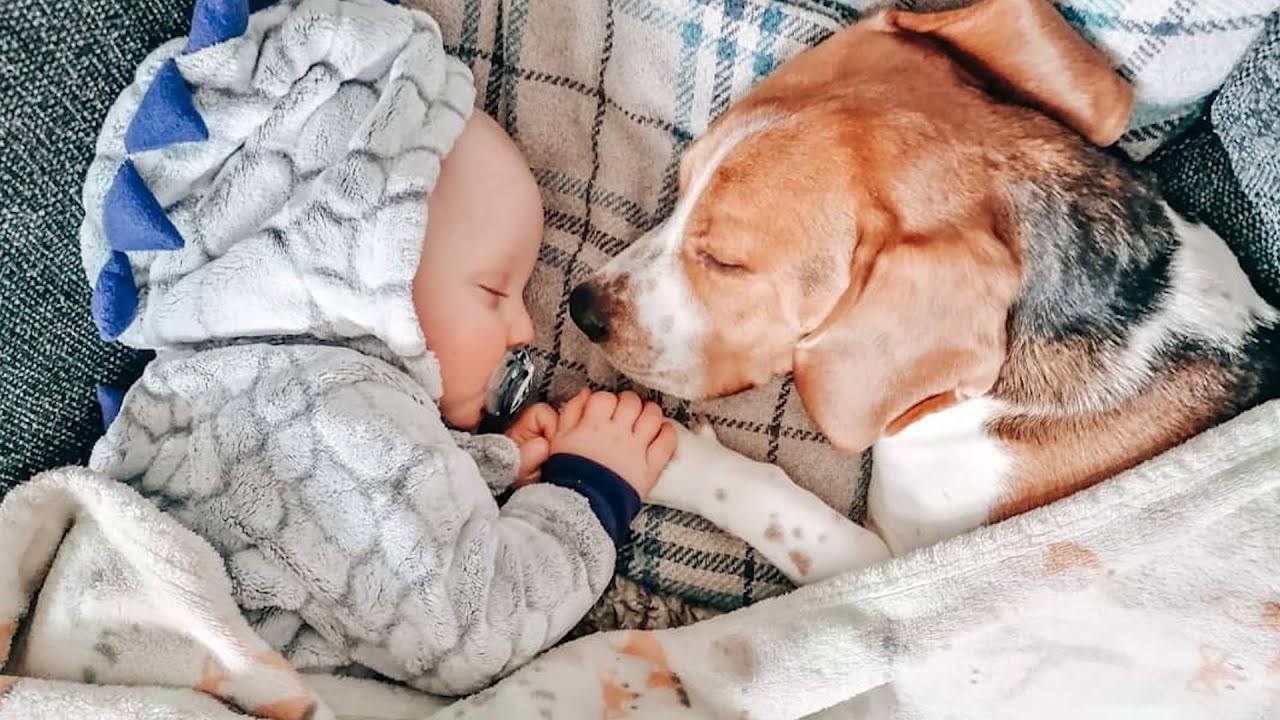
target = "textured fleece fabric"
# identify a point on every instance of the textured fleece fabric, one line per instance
(254, 214)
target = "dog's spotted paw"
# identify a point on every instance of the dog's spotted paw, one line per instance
(699, 456)
(699, 452)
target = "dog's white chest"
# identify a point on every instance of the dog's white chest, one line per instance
(939, 477)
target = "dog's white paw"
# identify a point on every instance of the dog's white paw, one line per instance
(699, 457)
(698, 443)
(701, 426)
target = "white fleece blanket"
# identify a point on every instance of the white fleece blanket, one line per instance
(1152, 595)
(111, 609)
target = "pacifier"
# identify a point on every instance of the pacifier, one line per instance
(508, 390)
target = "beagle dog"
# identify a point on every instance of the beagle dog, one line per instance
(916, 218)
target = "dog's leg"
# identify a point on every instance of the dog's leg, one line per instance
(804, 537)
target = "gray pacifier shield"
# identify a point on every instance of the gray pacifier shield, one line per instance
(510, 384)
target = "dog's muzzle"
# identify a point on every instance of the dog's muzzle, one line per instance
(588, 313)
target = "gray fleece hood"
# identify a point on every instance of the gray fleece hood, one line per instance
(268, 176)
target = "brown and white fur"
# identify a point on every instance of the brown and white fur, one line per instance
(915, 218)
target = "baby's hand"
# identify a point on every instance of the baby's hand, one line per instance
(620, 432)
(532, 433)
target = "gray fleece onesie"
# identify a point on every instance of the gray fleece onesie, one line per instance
(255, 215)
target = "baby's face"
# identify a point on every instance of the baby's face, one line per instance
(484, 226)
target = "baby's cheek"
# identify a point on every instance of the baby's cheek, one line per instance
(462, 401)
(477, 354)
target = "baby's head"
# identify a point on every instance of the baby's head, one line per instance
(296, 222)
(484, 226)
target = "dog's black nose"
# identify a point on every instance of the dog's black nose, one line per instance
(584, 308)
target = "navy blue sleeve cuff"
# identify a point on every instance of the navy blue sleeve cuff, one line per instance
(613, 501)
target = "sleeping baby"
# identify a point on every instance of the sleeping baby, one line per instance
(299, 211)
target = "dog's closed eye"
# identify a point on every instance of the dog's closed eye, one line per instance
(729, 267)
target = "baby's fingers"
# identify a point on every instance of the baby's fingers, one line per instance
(571, 412)
(661, 450)
(537, 421)
(532, 455)
(628, 408)
(600, 407)
(543, 420)
(650, 421)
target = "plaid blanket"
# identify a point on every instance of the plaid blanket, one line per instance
(604, 95)
(69, 61)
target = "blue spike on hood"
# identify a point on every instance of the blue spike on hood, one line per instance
(215, 21)
(115, 297)
(166, 116)
(132, 217)
(109, 399)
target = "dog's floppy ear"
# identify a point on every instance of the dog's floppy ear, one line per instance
(921, 329)
(1031, 53)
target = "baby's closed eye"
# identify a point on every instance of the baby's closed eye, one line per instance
(494, 295)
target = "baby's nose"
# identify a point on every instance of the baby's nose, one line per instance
(521, 330)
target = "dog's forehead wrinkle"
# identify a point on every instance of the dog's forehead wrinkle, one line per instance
(724, 143)
(663, 241)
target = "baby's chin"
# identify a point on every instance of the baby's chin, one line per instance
(463, 416)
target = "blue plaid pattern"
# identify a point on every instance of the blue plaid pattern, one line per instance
(604, 96)
(1175, 52)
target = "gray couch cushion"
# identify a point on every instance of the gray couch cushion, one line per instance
(64, 63)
